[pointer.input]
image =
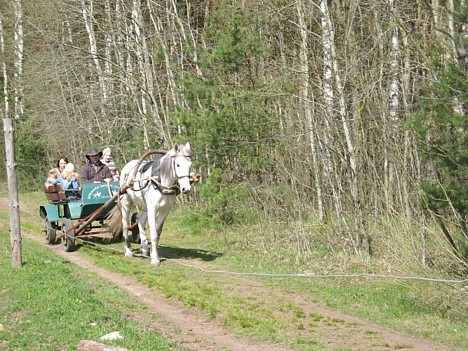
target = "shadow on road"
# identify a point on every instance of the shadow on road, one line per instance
(176, 252)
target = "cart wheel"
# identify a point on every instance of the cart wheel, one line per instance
(69, 239)
(50, 231)
(134, 226)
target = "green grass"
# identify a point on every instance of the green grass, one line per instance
(49, 304)
(400, 306)
(432, 310)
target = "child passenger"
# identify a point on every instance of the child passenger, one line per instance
(52, 178)
(68, 180)
(114, 172)
(106, 156)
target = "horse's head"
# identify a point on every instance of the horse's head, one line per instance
(182, 165)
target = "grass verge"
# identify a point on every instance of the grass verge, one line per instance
(49, 304)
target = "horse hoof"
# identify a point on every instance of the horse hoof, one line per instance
(155, 263)
(145, 253)
(128, 255)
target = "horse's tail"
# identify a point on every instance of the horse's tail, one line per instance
(114, 221)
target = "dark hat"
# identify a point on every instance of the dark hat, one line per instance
(93, 151)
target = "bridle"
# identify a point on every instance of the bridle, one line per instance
(174, 168)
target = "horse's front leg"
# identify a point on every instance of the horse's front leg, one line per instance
(156, 226)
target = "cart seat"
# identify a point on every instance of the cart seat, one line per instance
(54, 193)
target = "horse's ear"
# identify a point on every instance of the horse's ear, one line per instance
(176, 147)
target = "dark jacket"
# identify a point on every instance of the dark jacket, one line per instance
(90, 173)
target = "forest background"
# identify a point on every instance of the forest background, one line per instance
(339, 123)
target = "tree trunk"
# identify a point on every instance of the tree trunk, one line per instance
(6, 95)
(330, 53)
(305, 104)
(19, 57)
(329, 98)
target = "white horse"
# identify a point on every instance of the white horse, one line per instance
(155, 187)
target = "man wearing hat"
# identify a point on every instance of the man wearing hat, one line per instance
(95, 171)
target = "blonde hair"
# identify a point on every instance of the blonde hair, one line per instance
(69, 175)
(107, 150)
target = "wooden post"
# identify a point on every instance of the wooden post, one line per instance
(15, 232)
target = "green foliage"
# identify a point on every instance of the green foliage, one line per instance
(226, 205)
(30, 151)
(228, 117)
(444, 140)
(441, 125)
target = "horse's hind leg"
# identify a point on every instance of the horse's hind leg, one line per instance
(141, 228)
(125, 214)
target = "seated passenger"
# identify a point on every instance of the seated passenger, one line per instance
(94, 171)
(52, 178)
(113, 169)
(61, 163)
(69, 181)
(106, 156)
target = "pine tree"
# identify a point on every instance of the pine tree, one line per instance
(441, 126)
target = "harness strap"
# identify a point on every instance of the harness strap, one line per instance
(173, 190)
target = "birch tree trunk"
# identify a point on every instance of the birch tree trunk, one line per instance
(88, 17)
(6, 104)
(329, 98)
(140, 60)
(158, 29)
(19, 57)
(330, 55)
(394, 91)
(394, 104)
(304, 95)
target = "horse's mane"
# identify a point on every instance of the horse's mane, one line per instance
(164, 165)
(161, 165)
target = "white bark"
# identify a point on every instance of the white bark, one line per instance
(142, 72)
(88, 15)
(304, 94)
(394, 91)
(451, 28)
(328, 36)
(435, 14)
(330, 56)
(19, 58)
(4, 72)
(109, 46)
(327, 86)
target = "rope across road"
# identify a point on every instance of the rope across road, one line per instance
(278, 275)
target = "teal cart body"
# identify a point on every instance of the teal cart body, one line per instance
(78, 215)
